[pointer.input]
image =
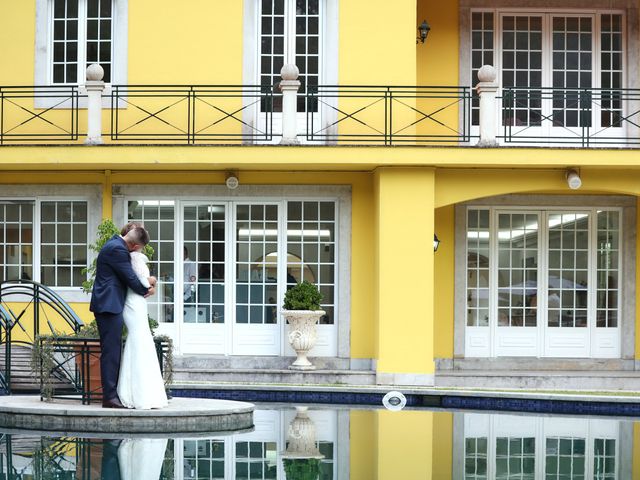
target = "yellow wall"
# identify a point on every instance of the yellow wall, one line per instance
(47, 315)
(442, 445)
(444, 283)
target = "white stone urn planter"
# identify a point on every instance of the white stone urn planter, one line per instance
(302, 437)
(303, 332)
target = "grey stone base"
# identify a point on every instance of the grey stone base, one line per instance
(536, 364)
(407, 379)
(224, 362)
(286, 376)
(183, 415)
(543, 380)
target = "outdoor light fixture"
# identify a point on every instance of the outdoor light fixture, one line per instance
(424, 28)
(436, 242)
(573, 179)
(232, 180)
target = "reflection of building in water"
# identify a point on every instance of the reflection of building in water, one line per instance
(257, 454)
(527, 447)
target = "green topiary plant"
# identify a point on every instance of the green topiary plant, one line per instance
(106, 230)
(303, 296)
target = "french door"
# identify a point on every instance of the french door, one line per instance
(543, 283)
(233, 295)
(506, 446)
(561, 73)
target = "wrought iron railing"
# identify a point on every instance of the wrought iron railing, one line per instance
(69, 367)
(572, 116)
(192, 114)
(5, 340)
(388, 115)
(39, 114)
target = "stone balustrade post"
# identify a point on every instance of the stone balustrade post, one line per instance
(487, 89)
(289, 87)
(94, 86)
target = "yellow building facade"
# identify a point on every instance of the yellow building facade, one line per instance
(529, 273)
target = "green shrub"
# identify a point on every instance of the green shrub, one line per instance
(106, 230)
(301, 468)
(303, 296)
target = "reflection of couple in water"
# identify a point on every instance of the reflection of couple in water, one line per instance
(133, 458)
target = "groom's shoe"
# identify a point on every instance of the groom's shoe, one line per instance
(113, 403)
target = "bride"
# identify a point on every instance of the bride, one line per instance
(140, 384)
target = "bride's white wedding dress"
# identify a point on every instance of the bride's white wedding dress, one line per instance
(140, 384)
(141, 458)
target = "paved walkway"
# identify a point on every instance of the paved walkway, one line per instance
(184, 415)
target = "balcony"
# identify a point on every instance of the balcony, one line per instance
(320, 115)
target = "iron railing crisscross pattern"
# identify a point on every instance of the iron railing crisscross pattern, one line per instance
(388, 115)
(192, 113)
(39, 113)
(575, 116)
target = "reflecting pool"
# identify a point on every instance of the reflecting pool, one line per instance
(323, 443)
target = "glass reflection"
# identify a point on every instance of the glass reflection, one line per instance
(324, 443)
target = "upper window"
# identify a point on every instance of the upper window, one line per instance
(290, 32)
(550, 64)
(73, 34)
(82, 33)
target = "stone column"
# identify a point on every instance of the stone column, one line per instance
(95, 87)
(404, 296)
(487, 89)
(289, 87)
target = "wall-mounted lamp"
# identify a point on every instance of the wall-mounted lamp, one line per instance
(423, 30)
(436, 242)
(573, 179)
(232, 180)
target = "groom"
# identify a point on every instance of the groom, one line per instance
(113, 276)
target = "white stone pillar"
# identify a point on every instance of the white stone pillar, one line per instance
(289, 87)
(95, 87)
(487, 88)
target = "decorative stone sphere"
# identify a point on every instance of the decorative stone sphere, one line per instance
(289, 72)
(95, 72)
(487, 73)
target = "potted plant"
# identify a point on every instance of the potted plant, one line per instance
(302, 312)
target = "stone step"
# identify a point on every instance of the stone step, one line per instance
(254, 362)
(318, 377)
(544, 380)
(536, 364)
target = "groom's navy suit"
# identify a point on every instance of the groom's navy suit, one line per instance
(114, 275)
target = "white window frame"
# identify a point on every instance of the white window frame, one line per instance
(466, 75)
(543, 270)
(327, 61)
(43, 71)
(261, 194)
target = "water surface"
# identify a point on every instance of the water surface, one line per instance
(324, 443)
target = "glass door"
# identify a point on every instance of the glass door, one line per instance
(256, 326)
(517, 331)
(567, 319)
(203, 277)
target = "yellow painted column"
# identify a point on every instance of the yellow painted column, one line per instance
(107, 195)
(362, 447)
(405, 275)
(405, 445)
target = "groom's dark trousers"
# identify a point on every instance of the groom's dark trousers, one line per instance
(113, 276)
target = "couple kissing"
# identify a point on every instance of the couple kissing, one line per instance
(130, 379)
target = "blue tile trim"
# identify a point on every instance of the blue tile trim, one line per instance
(416, 400)
(293, 396)
(542, 406)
